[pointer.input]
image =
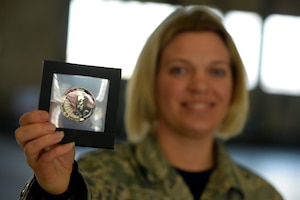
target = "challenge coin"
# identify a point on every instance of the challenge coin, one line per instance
(78, 104)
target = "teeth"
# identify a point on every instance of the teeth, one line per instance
(198, 105)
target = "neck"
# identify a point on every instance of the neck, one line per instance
(187, 153)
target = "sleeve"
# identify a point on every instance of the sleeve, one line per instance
(77, 189)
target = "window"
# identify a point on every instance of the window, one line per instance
(245, 29)
(280, 67)
(111, 33)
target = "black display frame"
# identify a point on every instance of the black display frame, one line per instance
(101, 139)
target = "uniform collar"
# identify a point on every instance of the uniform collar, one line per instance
(150, 156)
(225, 177)
(158, 171)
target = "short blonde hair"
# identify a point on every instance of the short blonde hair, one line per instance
(141, 108)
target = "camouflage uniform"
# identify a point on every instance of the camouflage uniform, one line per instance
(140, 171)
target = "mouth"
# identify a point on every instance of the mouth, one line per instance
(198, 105)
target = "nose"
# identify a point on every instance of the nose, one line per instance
(199, 82)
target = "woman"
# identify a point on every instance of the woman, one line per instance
(188, 89)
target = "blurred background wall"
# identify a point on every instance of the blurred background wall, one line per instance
(32, 30)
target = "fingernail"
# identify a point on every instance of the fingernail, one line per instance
(59, 134)
(69, 145)
(50, 127)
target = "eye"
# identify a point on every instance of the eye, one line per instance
(177, 70)
(218, 72)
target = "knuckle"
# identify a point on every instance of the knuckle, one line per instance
(29, 148)
(22, 119)
(17, 133)
(26, 150)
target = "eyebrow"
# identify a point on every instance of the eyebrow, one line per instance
(183, 60)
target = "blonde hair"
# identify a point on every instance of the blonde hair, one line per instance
(141, 108)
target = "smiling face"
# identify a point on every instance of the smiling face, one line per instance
(194, 84)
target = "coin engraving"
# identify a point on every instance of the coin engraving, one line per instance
(78, 104)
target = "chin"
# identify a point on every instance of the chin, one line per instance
(199, 132)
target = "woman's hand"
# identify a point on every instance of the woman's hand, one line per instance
(50, 161)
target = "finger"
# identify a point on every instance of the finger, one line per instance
(57, 152)
(30, 132)
(35, 148)
(36, 116)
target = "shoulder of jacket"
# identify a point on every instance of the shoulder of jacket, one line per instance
(254, 183)
(248, 176)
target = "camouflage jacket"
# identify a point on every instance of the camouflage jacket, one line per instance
(140, 171)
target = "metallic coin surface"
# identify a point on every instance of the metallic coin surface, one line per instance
(78, 104)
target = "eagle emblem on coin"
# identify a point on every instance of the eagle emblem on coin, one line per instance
(78, 104)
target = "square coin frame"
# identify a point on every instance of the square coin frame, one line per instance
(102, 139)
